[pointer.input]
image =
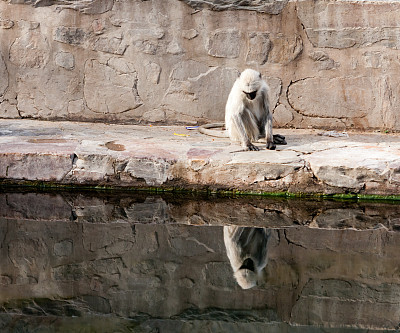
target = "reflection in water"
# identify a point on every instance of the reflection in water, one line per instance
(246, 249)
(72, 262)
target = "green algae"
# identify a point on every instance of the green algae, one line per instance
(49, 186)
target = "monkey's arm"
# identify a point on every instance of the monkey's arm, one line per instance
(244, 138)
(268, 127)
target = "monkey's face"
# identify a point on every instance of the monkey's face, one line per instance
(251, 95)
(250, 82)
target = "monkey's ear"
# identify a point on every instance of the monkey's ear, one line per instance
(239, 74)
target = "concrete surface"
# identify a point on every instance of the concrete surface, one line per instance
(98, 154)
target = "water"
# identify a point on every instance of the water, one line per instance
(123, 262)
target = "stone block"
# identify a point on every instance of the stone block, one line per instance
(224, 43)
(31, 49)
(269, 7)
(69, 35)
(105, 81)
(259, 46)
(343, 97)
(65, 60)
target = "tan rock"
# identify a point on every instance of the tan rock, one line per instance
(348, 97)
(31, 49)
(224, 43)
(282, 116)
(104, 81)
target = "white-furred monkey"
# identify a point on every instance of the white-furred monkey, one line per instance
(246, 249)
(247, 113)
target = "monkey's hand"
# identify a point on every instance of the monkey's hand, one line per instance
(279, 139)
(252, 147)
(271, 145)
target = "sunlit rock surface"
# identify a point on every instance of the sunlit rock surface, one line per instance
(167, 157)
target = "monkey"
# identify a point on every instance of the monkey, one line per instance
(246, 249)
(247, 113)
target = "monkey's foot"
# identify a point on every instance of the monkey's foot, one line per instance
(279, 139)
(252, 147)
(271, 145)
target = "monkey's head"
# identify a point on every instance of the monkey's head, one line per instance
(250, 82)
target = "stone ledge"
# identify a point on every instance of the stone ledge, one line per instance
(164, 157)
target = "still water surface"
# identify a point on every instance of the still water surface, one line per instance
(123, 262)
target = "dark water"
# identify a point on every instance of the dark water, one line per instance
(123, 262)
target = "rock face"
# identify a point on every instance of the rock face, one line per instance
(175, 61)
(170, 157)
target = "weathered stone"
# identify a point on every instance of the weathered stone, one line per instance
(111, 43)
(45, 166)
(156, 115)
(3, 76)
(224, 43)
(275, 87)
(285, 49)
(47, 95)
(189, 34)
(282, 116)
(86, 7)
(30, 50)
(136, 31)
(259, 46)
(146, 40)
(76, 107)
(148, 156)
(174, 48)
(65, 60)
(187, 80)
(63, 248)
(333, 24)
(348, 97)
(345, 169)
(323, 61)
(69, 35)
(153, 72)
(269, 7)
(104, 81)
(8, 110)
(98, 27)
(153, 172)
(376, 59)
(6, 23)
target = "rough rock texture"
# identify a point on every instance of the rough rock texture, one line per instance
(175, 61)
(152, 259)
(175, 157)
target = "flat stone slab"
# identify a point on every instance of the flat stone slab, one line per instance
(98, 154)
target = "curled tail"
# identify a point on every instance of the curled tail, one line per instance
(207, 130)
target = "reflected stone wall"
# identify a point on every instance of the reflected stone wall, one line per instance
(175, 61)
(60, 264)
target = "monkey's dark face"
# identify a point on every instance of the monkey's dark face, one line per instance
(251, 95)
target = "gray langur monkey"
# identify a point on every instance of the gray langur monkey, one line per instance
(247, 113)
(246, 249)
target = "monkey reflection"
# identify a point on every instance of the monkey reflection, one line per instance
(247, 252)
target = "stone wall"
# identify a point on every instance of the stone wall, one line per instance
(329, 64)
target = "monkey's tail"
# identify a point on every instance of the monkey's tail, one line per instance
(206, 129)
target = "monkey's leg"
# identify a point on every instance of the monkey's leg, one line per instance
(244, 138)
(268, 132)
